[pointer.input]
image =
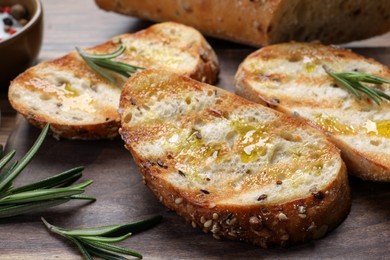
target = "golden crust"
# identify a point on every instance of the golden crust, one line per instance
(260, 23)
(61, 87)
(300, 94)
(285, 221)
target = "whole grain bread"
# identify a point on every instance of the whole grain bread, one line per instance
(233, 168)
(81, 104)
(263, 22)
(290, 78)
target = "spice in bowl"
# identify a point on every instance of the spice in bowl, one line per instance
(12, 20)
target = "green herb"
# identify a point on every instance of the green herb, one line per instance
(101, 62)
(353, 82)
(38, 195)
(97, 241)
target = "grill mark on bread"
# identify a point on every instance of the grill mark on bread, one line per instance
(91, 97)
(207, 181)
(355, 126)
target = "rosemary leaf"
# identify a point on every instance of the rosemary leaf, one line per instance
(112, 248)
(342, 81)
(53, 181)
(111, 55)
(4, 160)
(95, 241)
(26, 158)
(39, 195)
(105, 239)
(82, 197)
(353, 82)
(382, 94)
(369, 92)
(136, 227)
(80, 185)
(7, 172)
(6, 190)
(95, 67)
(103, 254)
(101, 62)
(83, 250)
(98, 231)
(45, 193)
(14, 210)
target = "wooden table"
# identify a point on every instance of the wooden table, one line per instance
(80, 23)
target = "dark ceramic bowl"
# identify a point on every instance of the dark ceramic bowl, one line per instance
(18, 52)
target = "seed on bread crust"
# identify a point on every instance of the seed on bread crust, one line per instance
(220, 193)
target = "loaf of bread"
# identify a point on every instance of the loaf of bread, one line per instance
(81, 104)
(290, 77)
(263, 22)
(233, 168)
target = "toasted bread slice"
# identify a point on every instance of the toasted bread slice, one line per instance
(81, 104)
(290, 77)
(229, 166)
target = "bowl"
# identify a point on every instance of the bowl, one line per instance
(19, 51)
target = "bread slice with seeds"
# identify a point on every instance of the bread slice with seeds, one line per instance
(233, 168)
(81, 104)
(290, 77)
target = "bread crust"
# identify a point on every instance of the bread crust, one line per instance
(257, 23)
(361, 162)
(287, 222)
(69, 85)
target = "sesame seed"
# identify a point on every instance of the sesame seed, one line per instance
(215, 228)
(302, 215)
(198, 135)
(262, 197)
(202, 220)
(254, 220)
(279, 182)
(282, 217)
(284, 237)
(178, 200)
(182, 173)
(231, 221)
(193, 224)
(302, 209)
(232, 234)
(208, 223)
(212, 205)
(215, 216)
(216, 237)
(312, 226)
(205, 191)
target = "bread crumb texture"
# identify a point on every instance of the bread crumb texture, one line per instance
(67, 93)
(293, 74)
(207, 150)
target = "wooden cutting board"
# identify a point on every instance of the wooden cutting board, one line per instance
(122, 197)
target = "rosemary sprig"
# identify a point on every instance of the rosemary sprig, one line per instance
(100, 62)
(97, 241)
(353, 82)
(46, 193)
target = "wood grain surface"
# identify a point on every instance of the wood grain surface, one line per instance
(122, 197)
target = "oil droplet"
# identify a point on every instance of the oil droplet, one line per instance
(332, 125)
(379, 128)
(310, 67)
